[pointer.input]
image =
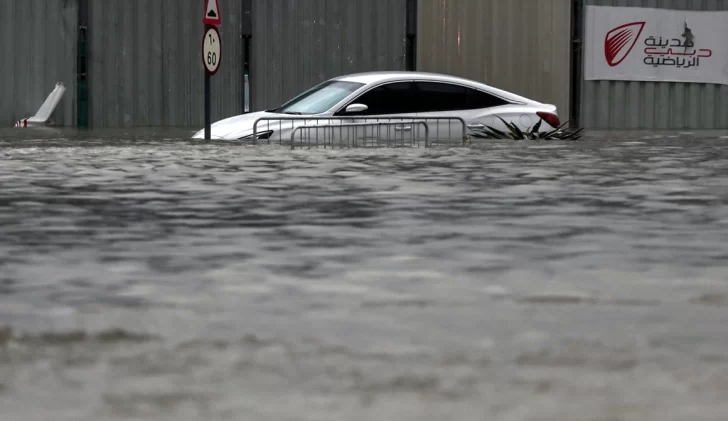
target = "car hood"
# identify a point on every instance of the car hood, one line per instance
(235, 127)
(239, 126)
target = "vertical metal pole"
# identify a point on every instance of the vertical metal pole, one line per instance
(82, 66)
(208, 112)
(577, 37)
(411, 34)
(246, 73)
(246, 28)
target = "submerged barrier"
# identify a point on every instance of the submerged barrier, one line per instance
(348, 132)
(361, 135)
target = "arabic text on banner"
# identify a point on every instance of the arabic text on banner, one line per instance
(656, 45)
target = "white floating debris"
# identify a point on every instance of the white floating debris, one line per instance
(46, 110)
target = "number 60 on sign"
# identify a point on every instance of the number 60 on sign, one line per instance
(211, 50)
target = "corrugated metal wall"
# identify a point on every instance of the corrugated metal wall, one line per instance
(145, 69)
(299, 43)
(145, 66)
(655, 105)
(521, 46)
(38, 49)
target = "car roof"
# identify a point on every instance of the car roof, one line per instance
(390, 76)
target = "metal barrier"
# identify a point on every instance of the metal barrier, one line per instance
(344, 131)
(434, 135)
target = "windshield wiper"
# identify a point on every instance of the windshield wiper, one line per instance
(292, 112)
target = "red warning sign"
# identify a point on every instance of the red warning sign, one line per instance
(212, 13)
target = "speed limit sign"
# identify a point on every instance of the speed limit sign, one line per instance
(211, 50)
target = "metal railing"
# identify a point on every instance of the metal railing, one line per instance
(439, 130)
(374, 139)
(443, 127)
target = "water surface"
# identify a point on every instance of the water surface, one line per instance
(147, 276)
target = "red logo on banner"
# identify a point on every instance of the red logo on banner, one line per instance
(620, 41)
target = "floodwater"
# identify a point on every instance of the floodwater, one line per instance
(147, 276)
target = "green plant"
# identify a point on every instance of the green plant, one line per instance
(515, 133)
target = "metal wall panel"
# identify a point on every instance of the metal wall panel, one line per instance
(655, 105)
(145, 65)
(38, 49)
(297, 44)
(521, 46)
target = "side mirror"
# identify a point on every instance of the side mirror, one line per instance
(356, 108)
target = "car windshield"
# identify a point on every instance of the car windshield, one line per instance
(320, 98)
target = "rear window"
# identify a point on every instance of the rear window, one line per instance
(438, 96)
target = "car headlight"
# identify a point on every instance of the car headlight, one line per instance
(260, 135)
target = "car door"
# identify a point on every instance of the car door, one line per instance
(439, 100)
(390, 117)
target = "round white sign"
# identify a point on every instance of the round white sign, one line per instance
(211, 50)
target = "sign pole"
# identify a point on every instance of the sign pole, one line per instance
(208, 112)
(211, 55)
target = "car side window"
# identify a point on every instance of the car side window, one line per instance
(478, 99)
(392, 98)
(437, 96)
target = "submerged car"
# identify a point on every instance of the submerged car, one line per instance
(397, 98)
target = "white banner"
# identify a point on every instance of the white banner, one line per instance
(656, 45)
